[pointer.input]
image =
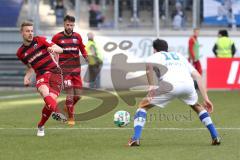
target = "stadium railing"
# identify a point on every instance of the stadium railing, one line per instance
(11, 71)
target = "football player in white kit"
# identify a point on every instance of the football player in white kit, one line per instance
(175, 80)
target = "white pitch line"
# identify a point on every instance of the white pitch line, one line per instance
(18, 96)
(173, 129)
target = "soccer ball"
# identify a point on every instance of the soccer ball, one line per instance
(121, 118)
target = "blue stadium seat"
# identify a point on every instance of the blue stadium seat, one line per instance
(9, 12)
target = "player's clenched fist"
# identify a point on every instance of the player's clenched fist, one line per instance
(26, 81)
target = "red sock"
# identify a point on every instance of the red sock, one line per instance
(75, 99)
(51, 103)
(45, 115)
(70, 111)
(70, 106)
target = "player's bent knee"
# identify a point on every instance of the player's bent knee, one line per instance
(197, 107)
(53, 95)
(43, 90)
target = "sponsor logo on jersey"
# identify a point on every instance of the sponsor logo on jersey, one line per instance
(34, 57)
(71, 49)
(74, 40)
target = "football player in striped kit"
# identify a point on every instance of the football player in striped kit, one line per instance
(69, 61)
(40, 56)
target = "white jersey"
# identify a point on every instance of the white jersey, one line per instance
(178, 75)
(179, 69)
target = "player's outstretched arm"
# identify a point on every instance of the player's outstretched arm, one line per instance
(28, 76)
(145, 102)
(207, 103)
(55, 49)
(149, 72)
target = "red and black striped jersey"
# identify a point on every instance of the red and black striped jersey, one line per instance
(69, 60)
(37, 56)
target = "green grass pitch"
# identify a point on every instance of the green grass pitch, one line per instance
(171, 133)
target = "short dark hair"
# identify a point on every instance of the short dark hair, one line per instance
(223, 32)
(160, 45)
(69, 18)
